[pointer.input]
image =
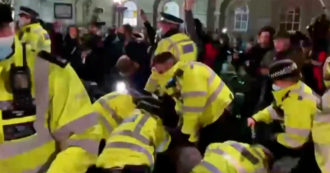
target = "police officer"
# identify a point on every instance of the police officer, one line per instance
(47, 122)
(31, 32)
(235, 157)
(137, 133)
(202, 98)
(294, 106)
(179, 44)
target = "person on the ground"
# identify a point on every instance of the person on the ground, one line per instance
(31, 32)
(48, 121)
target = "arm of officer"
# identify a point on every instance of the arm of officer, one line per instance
(44, 42)
(298, 123)
(72, 122)
(264, 115)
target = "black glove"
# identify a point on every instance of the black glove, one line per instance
(163, 107)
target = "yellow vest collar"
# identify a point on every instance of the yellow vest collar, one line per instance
(278, 95)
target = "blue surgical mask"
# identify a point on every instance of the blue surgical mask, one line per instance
(6, 44)
(276, 88)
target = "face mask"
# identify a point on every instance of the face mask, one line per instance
(22, 22)
(6, 46)
(276, 88)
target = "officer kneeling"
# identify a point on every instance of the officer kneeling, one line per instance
(134, 141)
(233, 157)
(294, 106)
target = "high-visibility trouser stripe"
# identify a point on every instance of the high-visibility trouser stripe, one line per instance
(210, 167)
(209, 101)
(77, 126)
(175, 47)
(273, 113)
(6, 105)
(245, 152)
(113, 113)
(194, 94)
(231, 160)
(134, 135)
(89, 145)
(296, 131)
(322, 118)
(323, 151)
(134, 147)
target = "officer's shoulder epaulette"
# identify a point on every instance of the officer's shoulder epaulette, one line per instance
(53, 59)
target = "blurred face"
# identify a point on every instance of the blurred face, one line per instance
(165, 27)
(24, 20)
(73, 32)
(264, 39)
(164, 67)
(281, 44)
(7, 36)
(93, 29)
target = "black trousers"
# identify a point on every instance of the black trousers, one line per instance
(227, 127)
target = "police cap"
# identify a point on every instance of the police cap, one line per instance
(284, 69)
(28, 11)
(5, 14)
(165, 17)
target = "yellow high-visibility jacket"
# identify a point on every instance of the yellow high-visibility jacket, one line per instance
(36, 36)
(204, 96)
(114, 108)
(296, 106)
(320, 134)
(181, 46)
(135, 142)
(64, 118)
(233, 157)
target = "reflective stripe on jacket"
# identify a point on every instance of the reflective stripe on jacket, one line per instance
(65, 119)
(181, 46)
(113, 107)
(134, 142)
(296, 106)
(232, 157)
(320, 134)
(36, 36)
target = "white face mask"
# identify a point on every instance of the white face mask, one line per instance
(6, 44)
(276, 88)
(22, 22)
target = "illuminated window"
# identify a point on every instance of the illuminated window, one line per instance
(130, 14)
(241, 19)
(172, 8)
(290, 21)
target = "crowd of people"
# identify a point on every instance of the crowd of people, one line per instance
(168, 99)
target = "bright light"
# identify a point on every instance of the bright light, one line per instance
(121, 87)
(118, 1)
(224, 30)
